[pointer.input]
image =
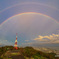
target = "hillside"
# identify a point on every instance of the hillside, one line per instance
(26, 53)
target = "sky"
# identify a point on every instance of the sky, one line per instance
(35, 21)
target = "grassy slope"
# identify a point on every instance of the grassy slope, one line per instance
(28, 52)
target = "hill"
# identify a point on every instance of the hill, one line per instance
(26, 52)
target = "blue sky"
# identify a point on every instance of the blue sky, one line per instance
(31, 28)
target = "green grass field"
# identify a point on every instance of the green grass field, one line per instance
(15, 54)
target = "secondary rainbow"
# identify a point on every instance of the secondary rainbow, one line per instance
(25, 3)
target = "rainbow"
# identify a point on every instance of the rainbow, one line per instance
(28, 13)
(25, 3)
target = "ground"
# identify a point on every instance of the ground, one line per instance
(17, 57)
(15, 54)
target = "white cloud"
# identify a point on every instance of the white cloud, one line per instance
(26, 40)
(54, 38)
(6, 42)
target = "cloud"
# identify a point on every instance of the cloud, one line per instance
(54, 38)
(5, 42)
(26, 40)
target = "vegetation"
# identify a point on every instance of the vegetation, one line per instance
(27, 52)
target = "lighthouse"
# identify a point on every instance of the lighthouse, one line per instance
(15, 45)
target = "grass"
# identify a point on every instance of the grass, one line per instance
(15, 54)
(28, 57)
(9, 58)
